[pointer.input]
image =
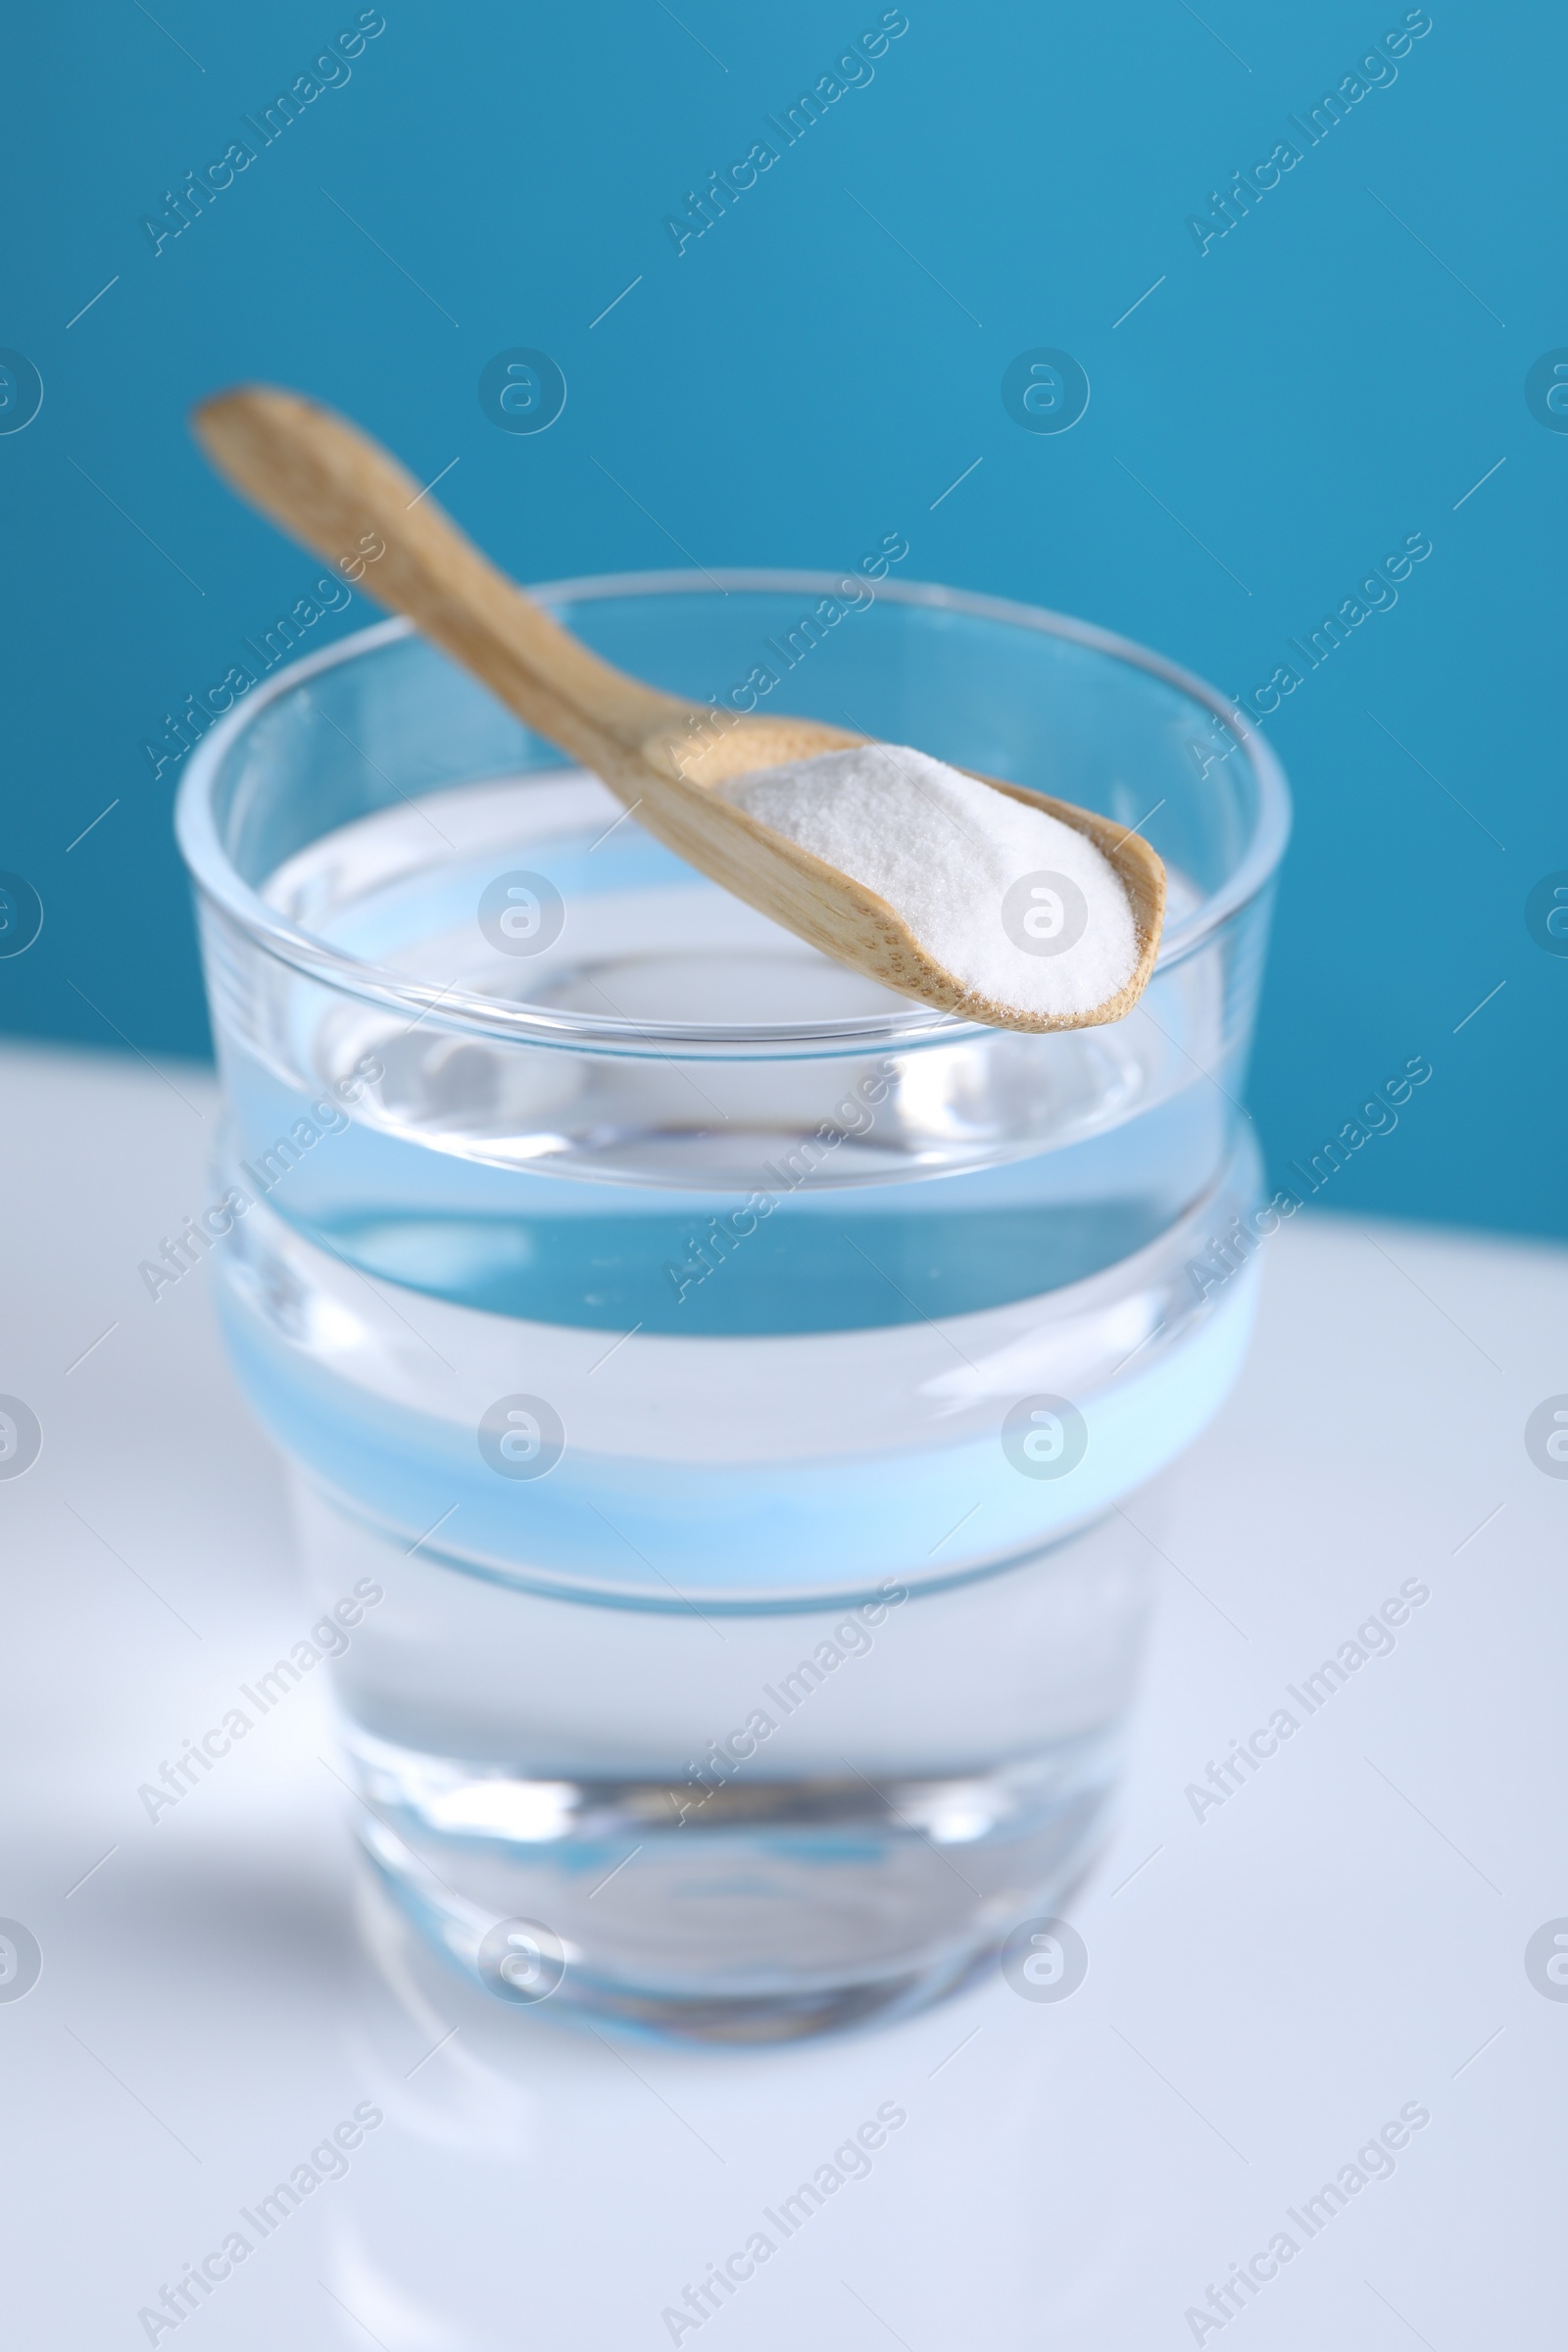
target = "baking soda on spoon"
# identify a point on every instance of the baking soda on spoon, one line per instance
(1017, 906)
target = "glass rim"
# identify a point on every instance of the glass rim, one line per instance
(215, 875)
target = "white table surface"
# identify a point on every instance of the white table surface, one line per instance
(1267, 1986)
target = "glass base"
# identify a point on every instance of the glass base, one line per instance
(755, 1914)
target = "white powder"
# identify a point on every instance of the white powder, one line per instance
(1013, 902)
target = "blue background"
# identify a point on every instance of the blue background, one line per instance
(1277, 416)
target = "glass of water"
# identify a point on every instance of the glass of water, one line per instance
(709, 1383)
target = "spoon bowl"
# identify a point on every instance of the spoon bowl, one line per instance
(330, 486)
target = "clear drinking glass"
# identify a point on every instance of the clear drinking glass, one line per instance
(707, 1379)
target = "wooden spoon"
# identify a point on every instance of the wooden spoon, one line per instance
(329, 484)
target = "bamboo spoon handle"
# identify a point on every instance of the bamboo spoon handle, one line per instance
(328, 484)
